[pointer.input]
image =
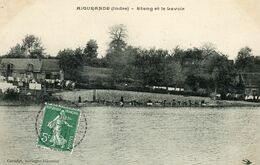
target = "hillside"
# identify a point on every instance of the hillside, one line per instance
(94, 73)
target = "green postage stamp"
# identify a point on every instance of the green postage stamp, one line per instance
(59, 127)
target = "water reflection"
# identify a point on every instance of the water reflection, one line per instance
(139, 136)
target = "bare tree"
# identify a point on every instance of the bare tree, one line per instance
(118, 35)
(208, 48)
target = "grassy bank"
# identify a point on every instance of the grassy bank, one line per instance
(112, 97)
(144, 97)
(115, 95)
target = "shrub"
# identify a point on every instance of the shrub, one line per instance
(11, 94)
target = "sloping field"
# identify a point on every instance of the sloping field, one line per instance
(94, 73)
(115, 95)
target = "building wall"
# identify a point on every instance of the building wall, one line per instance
(251, 91)
(16, 68)
(32, 75)
(41, 76)
(22, 75)
(17, 74)
(37, 76)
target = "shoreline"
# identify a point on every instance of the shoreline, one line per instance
(218, 104)
(111, 98)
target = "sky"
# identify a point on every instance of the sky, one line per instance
(228, 24)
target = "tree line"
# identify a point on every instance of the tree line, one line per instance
(202, 70)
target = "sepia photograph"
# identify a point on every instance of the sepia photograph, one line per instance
(117, 82)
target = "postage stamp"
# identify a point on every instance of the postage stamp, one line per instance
(59, 127)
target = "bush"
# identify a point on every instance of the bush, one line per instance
(11, 94)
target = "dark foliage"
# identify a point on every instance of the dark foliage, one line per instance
(11, 94)
(71, 63)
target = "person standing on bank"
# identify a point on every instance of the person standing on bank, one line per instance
(122, 101)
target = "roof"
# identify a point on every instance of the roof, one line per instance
(251, 79)
(257, 64)
(22, 63)
(38, 65)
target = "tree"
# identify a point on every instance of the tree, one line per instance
(118, 35)
(245, 60)
(79, 55)
(16, 52)
(154, 61)
(90, 53)
(33, 47)
(217, 69)
(90, 50)
(174, 74)
(70, 64)
(208, 48)
(123, 67)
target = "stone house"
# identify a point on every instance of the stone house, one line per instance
(24, 69)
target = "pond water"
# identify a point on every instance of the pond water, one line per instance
(143, 136)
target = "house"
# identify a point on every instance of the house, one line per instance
(251, 80)
(251, 83)
(25, 69)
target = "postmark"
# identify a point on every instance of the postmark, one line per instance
(59, 127)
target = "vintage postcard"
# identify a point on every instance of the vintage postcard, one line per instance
(120, 82)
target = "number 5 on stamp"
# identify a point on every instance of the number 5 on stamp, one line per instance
(59, 127)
